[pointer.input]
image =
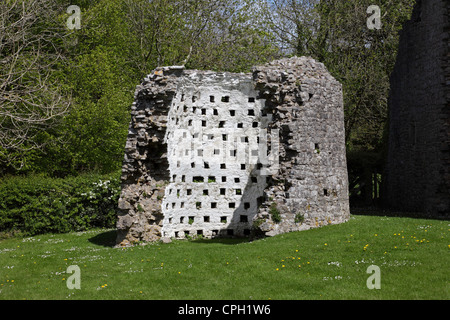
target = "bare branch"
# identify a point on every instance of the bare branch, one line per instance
(30, 98)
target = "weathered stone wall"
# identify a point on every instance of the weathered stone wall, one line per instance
(223, 154)
(145, 170)
(310, 189)
(212, 132)
(418, 163)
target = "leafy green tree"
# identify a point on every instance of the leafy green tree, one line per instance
(225, 35)
(101, 80)
(121, 41)
(362, 59)
(335, 32)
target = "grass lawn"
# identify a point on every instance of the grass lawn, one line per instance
(326, 263)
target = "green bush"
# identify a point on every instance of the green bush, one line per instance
(36, 204)
(299, 218)
(275, 213)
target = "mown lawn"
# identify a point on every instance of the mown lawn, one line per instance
(326, 263)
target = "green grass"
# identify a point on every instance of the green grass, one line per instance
(324, 263)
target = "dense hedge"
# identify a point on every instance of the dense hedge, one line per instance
(36, 204)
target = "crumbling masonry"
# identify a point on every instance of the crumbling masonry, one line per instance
(223, 154)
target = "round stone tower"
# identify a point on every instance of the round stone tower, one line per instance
(222, 154)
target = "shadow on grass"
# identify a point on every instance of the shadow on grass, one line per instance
(384, 212)
(106, 239)
(226, 241)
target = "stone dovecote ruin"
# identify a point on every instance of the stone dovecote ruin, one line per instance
(418, 161)
(217, 154)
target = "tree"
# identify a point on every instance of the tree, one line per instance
(31, 101)
(295, 23)
(83, 80)
(335, 32)
(101, 78)
(362, 59)
(226, 35)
